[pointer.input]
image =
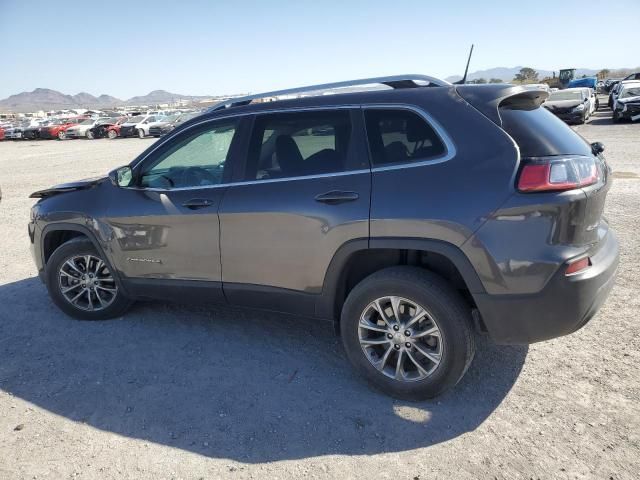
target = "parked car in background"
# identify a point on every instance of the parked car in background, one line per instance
(1, 133)
(139, 126)
(83, 129)
(162, 127)
(627, 105)
(615, 92)
(365, 209)
(16, 130)
(108, 128)
(593, 100)
(58, 128)
(571, 105)
(32, 132)
(609, 83)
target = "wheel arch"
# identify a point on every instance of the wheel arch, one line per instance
(57, 234)
(359, 258)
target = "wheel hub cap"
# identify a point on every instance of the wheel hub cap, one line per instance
(86, 283)
(400, 338)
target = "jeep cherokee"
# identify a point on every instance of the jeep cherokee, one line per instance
(412, 216)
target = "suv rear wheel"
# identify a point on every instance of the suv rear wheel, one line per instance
(81, 284)
(407, 332)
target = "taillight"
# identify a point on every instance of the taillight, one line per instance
(542, 174)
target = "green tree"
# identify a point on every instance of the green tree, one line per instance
(604, 73)
(496, 80)
(526, 75)
(478, 80)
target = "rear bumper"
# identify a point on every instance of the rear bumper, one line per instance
(563, 306)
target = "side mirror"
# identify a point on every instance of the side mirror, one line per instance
(597, 148)
(121, 177)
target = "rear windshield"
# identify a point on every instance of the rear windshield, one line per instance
(540, 133)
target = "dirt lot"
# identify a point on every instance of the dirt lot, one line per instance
(178, 392)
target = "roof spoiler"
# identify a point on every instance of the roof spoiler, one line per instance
(488, 98)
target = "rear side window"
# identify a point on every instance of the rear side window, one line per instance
(299, 144)
(400, 136)
(539, 133)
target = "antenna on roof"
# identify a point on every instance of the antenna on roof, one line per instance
(466, 70)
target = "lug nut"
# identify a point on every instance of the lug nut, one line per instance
(407, 333)
(389, 335)
(396, 328)
(408, 345)
(396, 346)
(84, 285)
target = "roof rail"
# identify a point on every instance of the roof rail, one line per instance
(395, 81)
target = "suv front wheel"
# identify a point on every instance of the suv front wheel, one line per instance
(407, 332)
(81, 284)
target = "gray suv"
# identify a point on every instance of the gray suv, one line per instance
(414, 217)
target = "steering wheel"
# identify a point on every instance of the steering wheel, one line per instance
(196, 176)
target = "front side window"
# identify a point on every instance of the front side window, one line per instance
(399, 136)
(299, 144)
(197, 159)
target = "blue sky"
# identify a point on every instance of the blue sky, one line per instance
(127, 48)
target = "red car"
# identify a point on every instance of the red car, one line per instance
(1, 133)
(58, 128)
(112, 130)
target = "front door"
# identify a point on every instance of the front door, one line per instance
(166, 225)
(304, 192)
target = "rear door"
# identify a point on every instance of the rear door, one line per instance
(303, 192)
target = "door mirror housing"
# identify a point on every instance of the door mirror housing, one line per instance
(122, 176)
(597, 147)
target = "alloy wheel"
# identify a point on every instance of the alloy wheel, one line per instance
(86, 283)
(400, 338)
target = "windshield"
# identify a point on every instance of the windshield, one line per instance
(629, 92)
(137, 119)
(565, 95)
(88, 121)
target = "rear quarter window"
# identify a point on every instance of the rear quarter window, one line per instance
(539, 133)
(400, 136)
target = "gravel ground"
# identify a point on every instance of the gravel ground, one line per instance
(179, 392)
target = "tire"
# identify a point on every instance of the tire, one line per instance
(61, 135)
(116, 303)
(445, 309)
(615, 118)
(140, 133)
(90, 135)
(112, 134)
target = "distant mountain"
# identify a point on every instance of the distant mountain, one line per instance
(161, 96)
(47, 99)
(506, 74)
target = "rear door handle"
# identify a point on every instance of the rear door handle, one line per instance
(196, 203)
(336, 196)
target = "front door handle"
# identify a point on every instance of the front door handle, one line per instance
(196, 203)
(336, 196)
